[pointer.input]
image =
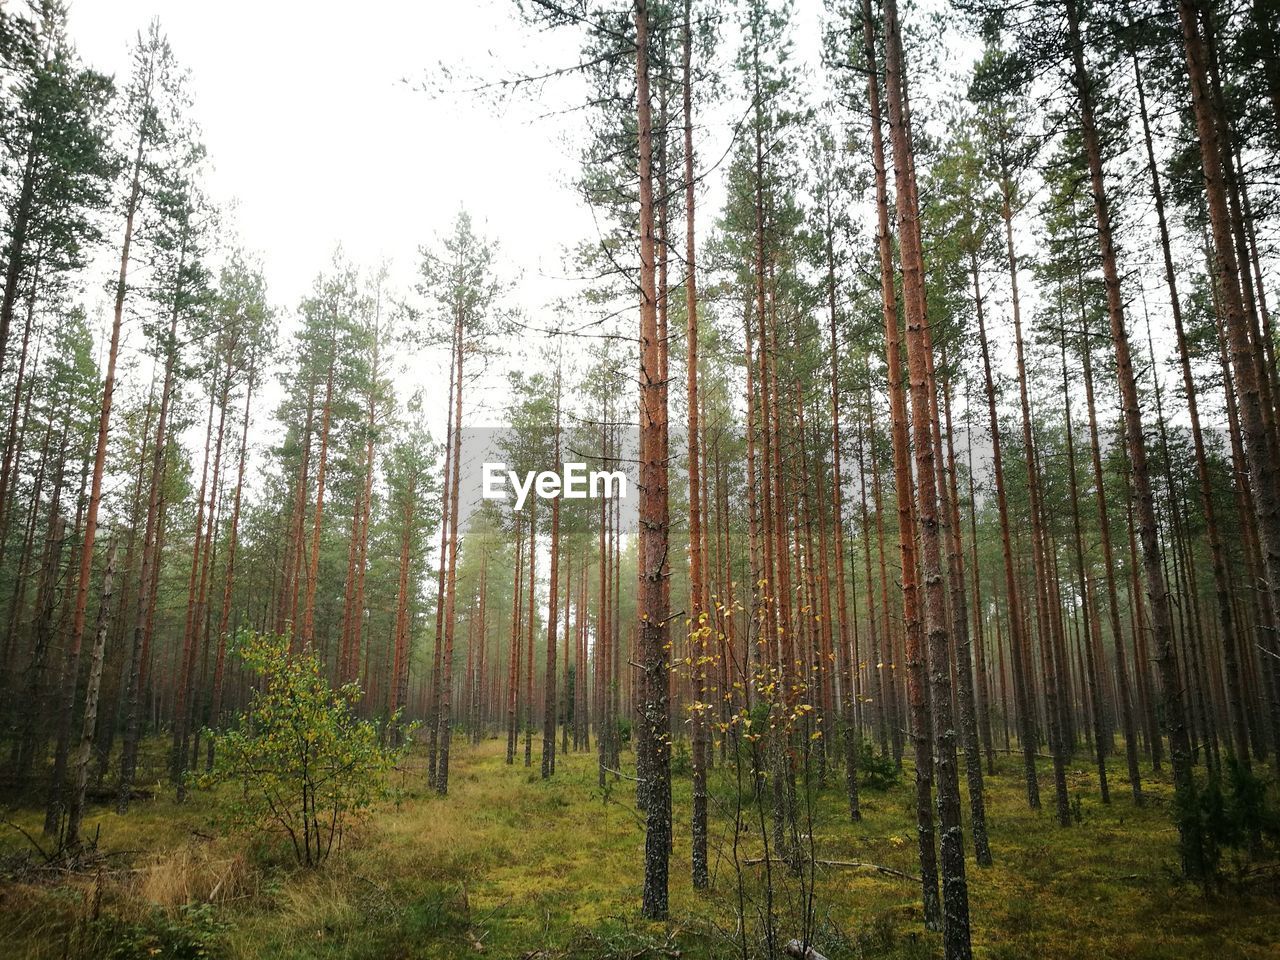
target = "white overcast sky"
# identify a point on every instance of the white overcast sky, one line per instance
(316, 137)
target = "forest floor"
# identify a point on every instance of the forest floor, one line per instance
(511, 866)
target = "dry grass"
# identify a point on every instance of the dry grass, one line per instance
(197, 872)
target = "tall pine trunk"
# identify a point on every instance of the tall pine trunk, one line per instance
(88, 726)
(915, 653)
(1161, 624)
(925, 428)
(652, 614)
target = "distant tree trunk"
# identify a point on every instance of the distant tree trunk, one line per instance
(1022, 698)
(46, 599)
(13, 437)
(18, 598)
(1162, 628)
(345, 654)
(1187, 581)
(362, 565)
(528, 656)
(971, 702)
(513, 664)
(838, 660)
(295, 557)
(287, 607)
(317, 523)
(1091, 641)
(229, 574)
(187, 718)
(550, 694)
(604, 631)
(815, 609)
(1127, 719)
(479, 687)
(433, 702)
(1045, 612)
(353, 617)
(984, 687)
(570, 676)
(477, 699)
(1139, 626)
(186, 668)
(398, 688)
(879, 689)
(444, 722)
(583, 706)
(616, 690)
(890, 642)
(697, 588)
(851, 710)
(752, 615)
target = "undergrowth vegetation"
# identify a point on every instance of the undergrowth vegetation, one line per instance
(302, 763)
(512, 866)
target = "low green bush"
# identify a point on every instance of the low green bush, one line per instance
(303, 764)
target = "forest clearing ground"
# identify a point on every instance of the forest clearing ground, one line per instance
(507, 865)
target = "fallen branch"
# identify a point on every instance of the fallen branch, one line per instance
(110, 795)
(850, 864)
(48, 857)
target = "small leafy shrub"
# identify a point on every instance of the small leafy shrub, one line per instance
(876, 771)
(624, 730)
(192, 933)
(681, 760)
(304, 765)
(882, 939)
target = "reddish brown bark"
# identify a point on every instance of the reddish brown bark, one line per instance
(1248, 359)
(651, 610)
(925, 428)
(915, 653)
(317, 523)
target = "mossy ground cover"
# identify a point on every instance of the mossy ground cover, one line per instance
(510, 866)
